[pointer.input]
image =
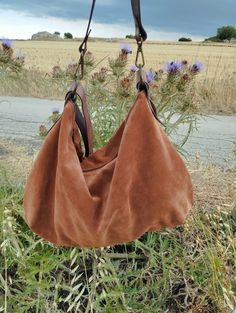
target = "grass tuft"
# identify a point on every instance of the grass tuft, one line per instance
(187, 269)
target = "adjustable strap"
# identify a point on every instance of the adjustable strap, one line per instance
(140, 33)
(83, 46)
(84, 121)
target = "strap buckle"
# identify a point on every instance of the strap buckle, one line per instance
(83, 46)
(140, 54)
(82, 50)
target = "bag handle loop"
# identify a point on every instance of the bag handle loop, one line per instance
(140, 35)
(84, 121)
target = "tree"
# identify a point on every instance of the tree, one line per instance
(68, 36)
(226, 32)
(213, 39)
(185, 39)
(130, 36)
(57, 33)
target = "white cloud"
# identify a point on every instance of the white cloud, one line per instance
(18, 25)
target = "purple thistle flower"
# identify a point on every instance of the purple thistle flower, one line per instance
(20, 56)
(133, 68)
(173, 67)
(196, 67)
(55, 110)
(7, 43)
(71, 62)
(126, 48)
(149, 76)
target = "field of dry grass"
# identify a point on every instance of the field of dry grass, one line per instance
(219, 60)
(216, 84)
(189, 269)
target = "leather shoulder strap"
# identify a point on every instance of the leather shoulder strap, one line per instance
(87, 121)
(140, 33)
(83, 120)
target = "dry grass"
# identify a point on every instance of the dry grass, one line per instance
(189, 269)
(216, 84)
(45, 54)
(15, 162)
(212, 185)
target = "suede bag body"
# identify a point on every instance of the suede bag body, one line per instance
(134, 184)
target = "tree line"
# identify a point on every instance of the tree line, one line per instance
(224, 33)
(66, 35)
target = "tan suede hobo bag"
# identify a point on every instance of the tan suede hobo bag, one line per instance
(134, 184)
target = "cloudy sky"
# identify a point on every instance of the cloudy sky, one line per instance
(163, 19)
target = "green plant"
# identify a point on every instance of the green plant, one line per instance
(185, 39)
(185, 269)
(111, 91)
(8, 62)
(68, 36)
(226, 32)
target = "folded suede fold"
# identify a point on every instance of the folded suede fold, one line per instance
(134, 184)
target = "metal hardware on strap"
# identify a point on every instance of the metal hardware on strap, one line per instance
(83, 46)
(140, 33)
(139, 52)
